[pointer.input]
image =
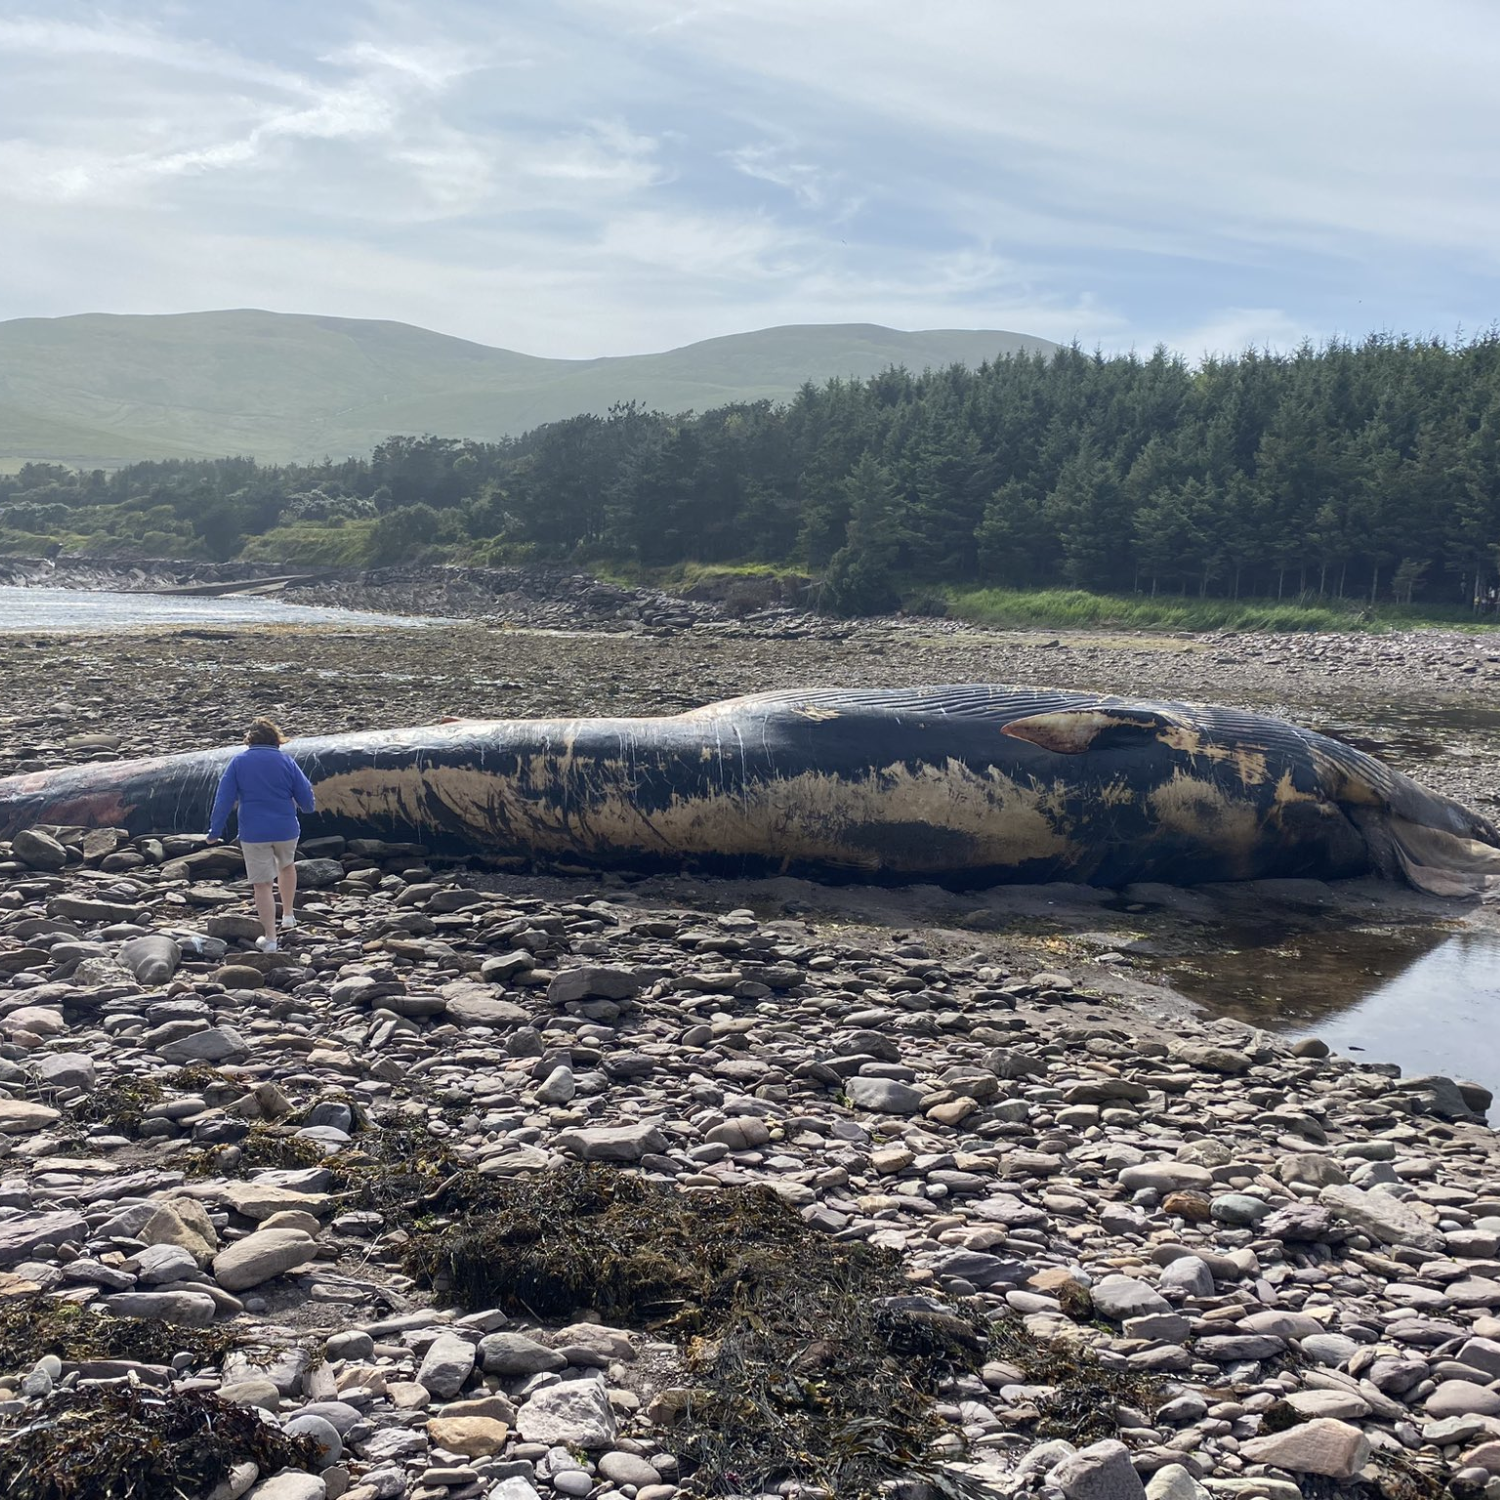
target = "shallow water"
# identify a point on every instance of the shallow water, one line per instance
(1410, 736)
(1420, 997)
(58, 610)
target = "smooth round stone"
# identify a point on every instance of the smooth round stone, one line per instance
(1239, 1209)
(338, 1414)
(1463, 1398)
(321, 1431)
(1329, 1348)
(628, 1468)
(573, 1482)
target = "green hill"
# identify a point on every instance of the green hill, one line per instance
(101, 389)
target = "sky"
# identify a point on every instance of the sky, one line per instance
(586, 177)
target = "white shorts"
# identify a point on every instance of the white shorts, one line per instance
(264, 861)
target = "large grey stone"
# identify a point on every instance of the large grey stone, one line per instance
(573, 1413)
(38, 850)
(515, 1354)
(1386, 1219)
(885, 1096)
(1121, 1297)
(324, 1434)
(318, 874)
(217, 1044)
(22, 1237)
(63, 1070)
(1229, 1348)
(628, 1468)
(22, 1117)
(162, 1263)
(1440, 1095)
(1102, 1471)
(1211, 1057)
(260, 1199)
(1165, 1176)
(290, 1484)
(1463, 1398)
(260, 1256)
(558, 1087)
(513, 1487)
(1323, 1446)
(1175, 1483)
(592, 983)
(613, 1142)
(85, 909)
(484, 1010)
(185, 1309)
(445, 1367)
(1481, 1354)
(1190, 1273)
(1298, 1223)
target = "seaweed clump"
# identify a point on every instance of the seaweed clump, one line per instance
(121, 1104)
(1083, 1392)
(811, 1359)
(42, 1325)
(400, 1170)
(263, 1146)
(122, 1443)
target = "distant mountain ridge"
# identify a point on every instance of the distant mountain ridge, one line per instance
(101, 389)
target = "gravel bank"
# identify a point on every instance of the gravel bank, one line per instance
(1284, 1267)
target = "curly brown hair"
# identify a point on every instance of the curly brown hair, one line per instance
(264, 732)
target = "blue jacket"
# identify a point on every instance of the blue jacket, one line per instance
(269, 787)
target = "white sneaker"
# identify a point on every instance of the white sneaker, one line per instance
(288, 924)
(266, 945)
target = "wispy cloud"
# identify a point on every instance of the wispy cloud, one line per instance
(807, 183)
(600, 176)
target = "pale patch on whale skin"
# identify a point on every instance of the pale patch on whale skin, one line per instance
(1203, 813)
(569, 804)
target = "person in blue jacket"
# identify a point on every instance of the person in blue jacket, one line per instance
(268, 787)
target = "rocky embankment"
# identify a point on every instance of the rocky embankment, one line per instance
(1209, 1263)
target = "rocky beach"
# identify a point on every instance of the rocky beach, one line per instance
(497, 1185)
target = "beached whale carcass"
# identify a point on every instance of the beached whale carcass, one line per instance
(967, 785)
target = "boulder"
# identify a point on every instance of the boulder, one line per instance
(1384, 1218)
(1102, 1471)
(38, 850)
(474, 1437)
(22, 1237)
(445, 1367)
(573, 1414)
(884, 1096)
(152, 959)
(21, 1117)
(592, 983)
(1323, 1446)
(261, 1256)
(613, 1142)
(510, 1354)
